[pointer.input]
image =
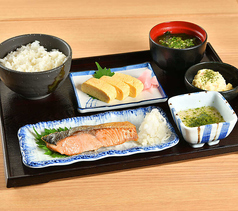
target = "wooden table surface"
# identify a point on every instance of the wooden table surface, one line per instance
(107, 27)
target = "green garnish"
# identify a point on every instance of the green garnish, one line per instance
(102, 71)
(41, 144)
(200, 116)
(93, 97)
(209, 75)
(176, 42)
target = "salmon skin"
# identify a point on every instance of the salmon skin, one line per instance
(87, 138)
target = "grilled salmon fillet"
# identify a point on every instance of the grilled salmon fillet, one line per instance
(87, 138)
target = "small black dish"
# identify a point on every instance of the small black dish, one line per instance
(229, 73)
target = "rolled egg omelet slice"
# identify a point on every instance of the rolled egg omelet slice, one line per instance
(122, 88)
(99, 89)
(136, 86)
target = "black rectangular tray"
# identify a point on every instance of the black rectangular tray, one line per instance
(17, 112)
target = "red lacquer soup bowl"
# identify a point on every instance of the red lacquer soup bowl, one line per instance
(174, 60)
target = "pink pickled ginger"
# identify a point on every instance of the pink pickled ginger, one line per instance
(154, 81)
(146, 79)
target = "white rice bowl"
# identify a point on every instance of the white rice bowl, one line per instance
(33, 58)
(153, 130)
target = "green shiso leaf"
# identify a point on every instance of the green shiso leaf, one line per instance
(42, 145)
(102, 71)
(93, 97)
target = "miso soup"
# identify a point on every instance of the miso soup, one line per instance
(177, 41)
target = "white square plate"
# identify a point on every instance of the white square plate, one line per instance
(89, 104)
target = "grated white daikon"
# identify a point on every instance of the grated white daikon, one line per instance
(153, 130)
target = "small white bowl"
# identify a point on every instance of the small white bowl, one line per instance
(212, 133)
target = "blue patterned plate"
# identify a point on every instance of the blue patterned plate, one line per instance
(34, 157)
(89, 104)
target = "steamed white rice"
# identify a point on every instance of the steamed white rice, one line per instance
(33, 58)
(153, 130)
